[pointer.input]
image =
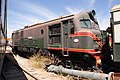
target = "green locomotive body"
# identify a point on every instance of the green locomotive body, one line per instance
(74, 39)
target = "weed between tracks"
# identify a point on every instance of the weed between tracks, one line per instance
(38, 61)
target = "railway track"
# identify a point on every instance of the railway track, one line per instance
(12, 71)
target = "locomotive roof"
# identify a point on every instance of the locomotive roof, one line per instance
(61, 17)
(66, 17)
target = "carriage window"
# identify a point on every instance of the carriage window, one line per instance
(85, 23)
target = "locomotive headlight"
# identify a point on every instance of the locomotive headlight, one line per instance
(76, 40)
(96, 47)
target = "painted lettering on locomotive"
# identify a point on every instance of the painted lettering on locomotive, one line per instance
(74, 39)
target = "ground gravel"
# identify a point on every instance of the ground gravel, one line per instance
(40, 74)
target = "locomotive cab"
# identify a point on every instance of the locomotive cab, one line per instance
(87, 36)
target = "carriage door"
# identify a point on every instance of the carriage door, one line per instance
(66, 27)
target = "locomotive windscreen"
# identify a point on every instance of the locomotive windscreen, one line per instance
(85, 23)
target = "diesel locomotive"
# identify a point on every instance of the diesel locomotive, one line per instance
(74, 40)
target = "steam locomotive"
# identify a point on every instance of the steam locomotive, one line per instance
(74, 40)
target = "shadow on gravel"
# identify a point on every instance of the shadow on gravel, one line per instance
(11, 69)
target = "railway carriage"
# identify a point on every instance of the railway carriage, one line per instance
(74, 40)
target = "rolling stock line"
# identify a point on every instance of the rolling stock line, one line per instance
(74, 40)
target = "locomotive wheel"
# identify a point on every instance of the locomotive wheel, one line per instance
(56, 58)
(44, 53)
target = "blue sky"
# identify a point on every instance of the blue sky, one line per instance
(26, 12)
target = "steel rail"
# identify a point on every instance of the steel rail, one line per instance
(21, 68)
